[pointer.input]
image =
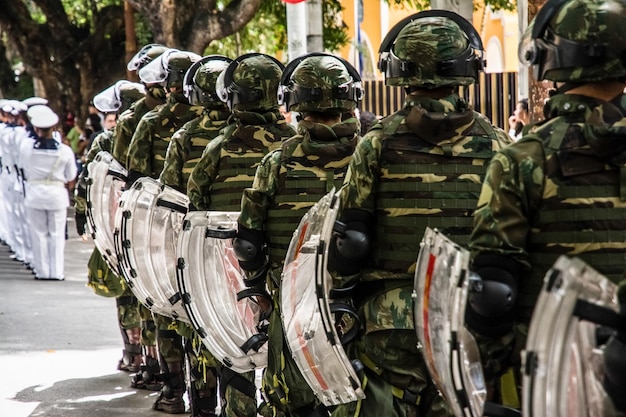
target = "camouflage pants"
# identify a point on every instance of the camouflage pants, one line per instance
(501, 360)
(284, 387)
(128, 310)
(168, 340)
(394, 374)
(234, 402)
(148, 333)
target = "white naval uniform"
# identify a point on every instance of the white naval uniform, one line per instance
(47, 171)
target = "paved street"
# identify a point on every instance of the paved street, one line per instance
(59, 345)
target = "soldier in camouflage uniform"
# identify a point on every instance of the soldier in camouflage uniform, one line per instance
(419, 167)
(249, 86)
(560, 189)
(325, 90)
(123, 133)
(114, 99)
(183, 153)
(146, 157)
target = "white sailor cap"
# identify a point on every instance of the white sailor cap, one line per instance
(42, 116)
(33, 101)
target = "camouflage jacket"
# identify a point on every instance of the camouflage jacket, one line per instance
(560, 190)
(252, 135)
(154, 131)
(187, 146)
(126, 125)
(419, 167)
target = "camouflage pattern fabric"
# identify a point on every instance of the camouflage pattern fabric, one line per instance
(323, 74)
(187, 145)
(260, 75)
(409, 170)
(560, 190)
(127, 123)
(425, 42)
(128, 312)
(597, 22)
(154, 131)
(251, 137)
(309, 164)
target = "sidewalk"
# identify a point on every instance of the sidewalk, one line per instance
(60, 343)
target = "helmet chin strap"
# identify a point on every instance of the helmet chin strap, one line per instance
(565, 87)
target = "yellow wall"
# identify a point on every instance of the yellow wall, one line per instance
(379, 17)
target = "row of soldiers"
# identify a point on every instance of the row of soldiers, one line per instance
(210, 127)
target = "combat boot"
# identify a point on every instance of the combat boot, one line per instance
(170, 398)
(148, 377)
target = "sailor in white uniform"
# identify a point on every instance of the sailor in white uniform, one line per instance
(48, 167)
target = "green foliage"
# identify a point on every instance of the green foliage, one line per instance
(267, 31)
(425, 4)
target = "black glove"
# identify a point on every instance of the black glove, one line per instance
(491, 307)
(81, 223)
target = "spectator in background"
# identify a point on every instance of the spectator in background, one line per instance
(519, 118)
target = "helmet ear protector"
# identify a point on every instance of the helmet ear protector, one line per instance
(546, 50)
(231, 93)
(193, 93)
(466, 63)
(290, 93)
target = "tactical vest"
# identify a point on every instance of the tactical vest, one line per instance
(302, 182)
(582, 213)
(422, 184)
(240, 155)
(197, 137)
(171, 118)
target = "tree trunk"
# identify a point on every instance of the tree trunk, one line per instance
(538, 90)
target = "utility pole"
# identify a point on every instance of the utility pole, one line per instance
(296, 29)
(315, 37)
(464, 8)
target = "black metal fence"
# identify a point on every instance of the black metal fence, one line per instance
(495, 96)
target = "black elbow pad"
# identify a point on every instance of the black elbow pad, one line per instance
(492, 304)
(250, 248)
(351, 241)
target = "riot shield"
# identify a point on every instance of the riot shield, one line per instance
(105, 184)
(449, 350)
(562, 364)
(151, 218)
(307, 310)
(231, 325)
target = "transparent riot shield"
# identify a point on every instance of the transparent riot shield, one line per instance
(450, 351)
(562, 364)
(152, 216)
(307, 311)
(229, 319)
(105, 184)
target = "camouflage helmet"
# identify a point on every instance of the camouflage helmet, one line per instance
(577, 41)
(177, 65)
(200, 80)
(145, 55)
(320, 82)
(250, 82)
(431, 49)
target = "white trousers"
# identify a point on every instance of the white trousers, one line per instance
(48, 241)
